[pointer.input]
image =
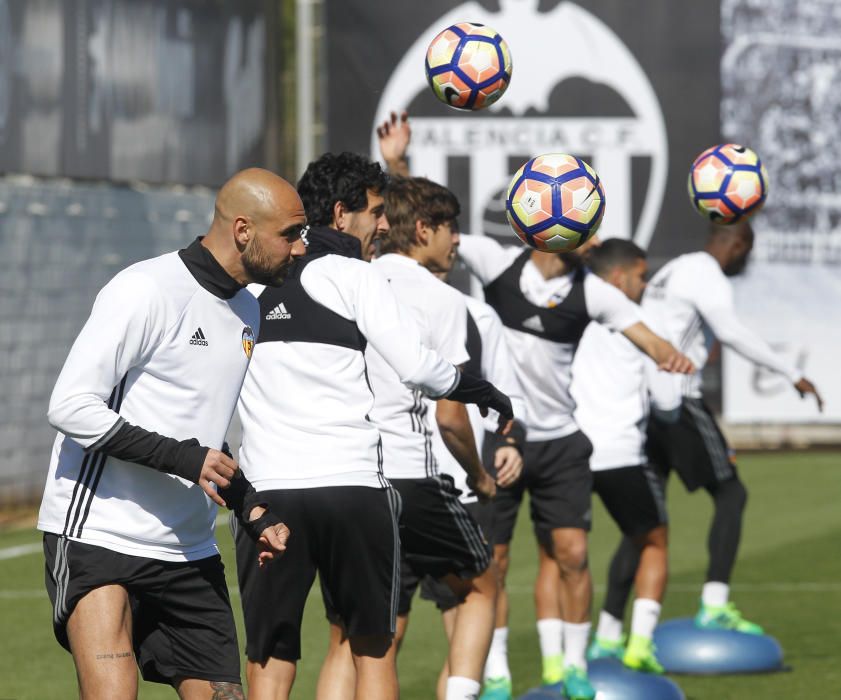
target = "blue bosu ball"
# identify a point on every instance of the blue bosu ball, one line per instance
(684, 648)
(613, 681)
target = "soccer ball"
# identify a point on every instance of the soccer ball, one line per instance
(727, 183)
(555, 202)
(468, 66)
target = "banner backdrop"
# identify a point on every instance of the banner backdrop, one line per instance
(781, 78)
(633, 88)
(151, 90)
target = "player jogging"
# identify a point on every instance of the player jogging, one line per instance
(129, 509)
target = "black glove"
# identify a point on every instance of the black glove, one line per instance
(471, 389)
(240, 495)
(242, 499)
(254, 528)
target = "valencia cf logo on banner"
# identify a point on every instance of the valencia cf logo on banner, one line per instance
(248, 341)
(496, 141)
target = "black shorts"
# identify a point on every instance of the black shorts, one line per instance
(434, 589)
(182, 623)
(348, 534)
(438, 535)
(634, 497)
(693, 446)
(557, 475)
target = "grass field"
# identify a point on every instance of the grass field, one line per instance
(788, 579)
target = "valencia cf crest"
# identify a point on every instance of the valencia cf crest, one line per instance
(248, 341)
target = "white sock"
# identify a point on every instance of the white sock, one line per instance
(575, 644)
(610, 628)
(550, 632)
(645, 616)
(715, 594)
(497, 664)
(460, 688)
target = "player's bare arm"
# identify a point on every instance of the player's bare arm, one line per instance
(661, 351)
(457, 434)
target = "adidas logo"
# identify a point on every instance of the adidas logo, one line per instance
(278, 313)
(198, 338)
(534, 323)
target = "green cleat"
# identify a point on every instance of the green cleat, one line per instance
(577, 685)
(641, 655)
(725, 617)
(496, 689)
(605, 649)
(553, 669)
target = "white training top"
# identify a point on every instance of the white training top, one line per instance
(306, 401)
(690, 303)
(401, 412)
(497, 362)
(496, 368)
(542, 366)
(610, 389)
(171, 356)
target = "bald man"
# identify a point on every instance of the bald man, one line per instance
(142, 406)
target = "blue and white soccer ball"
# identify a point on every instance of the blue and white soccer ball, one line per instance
(555, 202)
(468, 66)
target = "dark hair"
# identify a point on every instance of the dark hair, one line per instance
(740, 228)
(412, 199)
(613, 252)
(344, 178)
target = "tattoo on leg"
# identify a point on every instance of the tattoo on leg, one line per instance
(226, 691)
(115, 655)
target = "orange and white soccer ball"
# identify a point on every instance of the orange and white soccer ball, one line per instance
(727, 183)
(555, 202)
(468, 66)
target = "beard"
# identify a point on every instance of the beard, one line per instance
(259, 267)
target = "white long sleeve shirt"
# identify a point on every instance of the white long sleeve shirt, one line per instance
(307, 409)
(690, 303)
(401, 413)
(164, 353)
(611, 393)
(543, 365)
